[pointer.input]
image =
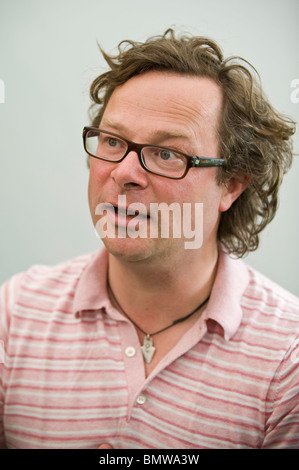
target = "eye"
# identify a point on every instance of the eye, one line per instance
(110, 147)
(167, 155)
(112, 142)
(109, 143)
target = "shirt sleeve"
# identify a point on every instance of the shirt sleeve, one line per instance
(8, 295)
(282, 418)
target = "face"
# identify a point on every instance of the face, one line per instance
(170, 110)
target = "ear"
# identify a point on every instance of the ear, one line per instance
(232, 189)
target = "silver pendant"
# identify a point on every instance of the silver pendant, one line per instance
(148, 349)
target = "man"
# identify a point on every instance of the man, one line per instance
(151, 343)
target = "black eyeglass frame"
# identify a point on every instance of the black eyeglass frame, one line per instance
(192, 161)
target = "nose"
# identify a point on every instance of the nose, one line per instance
(129, 174)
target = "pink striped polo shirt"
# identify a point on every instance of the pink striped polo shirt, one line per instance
(73, 374)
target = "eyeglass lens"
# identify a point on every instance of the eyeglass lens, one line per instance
(157, 159)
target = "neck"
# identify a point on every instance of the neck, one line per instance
(159, 293)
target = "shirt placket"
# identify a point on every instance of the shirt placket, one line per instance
(137, 381)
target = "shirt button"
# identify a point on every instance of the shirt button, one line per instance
(130, 351)
(141, 399)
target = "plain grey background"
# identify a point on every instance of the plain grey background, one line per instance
(48, 58)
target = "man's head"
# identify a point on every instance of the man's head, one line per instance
(253, 139)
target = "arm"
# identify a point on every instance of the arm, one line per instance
(2, 442)
(8, 294)
(282, 415)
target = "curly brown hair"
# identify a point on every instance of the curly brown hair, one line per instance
(254, 138)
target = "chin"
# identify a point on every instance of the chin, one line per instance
(128, 249)
(138, 249)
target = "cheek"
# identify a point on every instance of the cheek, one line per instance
(206, 191)
(201, 186)
(98, 173)
(91, 185)
(95, 170)
(91, 196)
(95, 184)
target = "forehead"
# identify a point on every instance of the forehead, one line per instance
(178, 103)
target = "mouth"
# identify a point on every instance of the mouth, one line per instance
(131, 212)
(123, 216)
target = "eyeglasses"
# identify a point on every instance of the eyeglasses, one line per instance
(163, 161)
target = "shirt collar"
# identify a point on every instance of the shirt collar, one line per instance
(224, 306)
(91, 293)
(230, 283)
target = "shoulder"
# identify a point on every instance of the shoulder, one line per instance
(269, 306)
(60, 277)
(263, 290)
(63, 272)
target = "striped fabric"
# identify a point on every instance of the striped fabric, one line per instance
(73, 375)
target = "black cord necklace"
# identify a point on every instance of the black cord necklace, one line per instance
(147, 348)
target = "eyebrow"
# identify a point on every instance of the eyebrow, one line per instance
(155, 134)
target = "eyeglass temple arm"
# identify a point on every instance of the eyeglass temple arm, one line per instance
(206, 162)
